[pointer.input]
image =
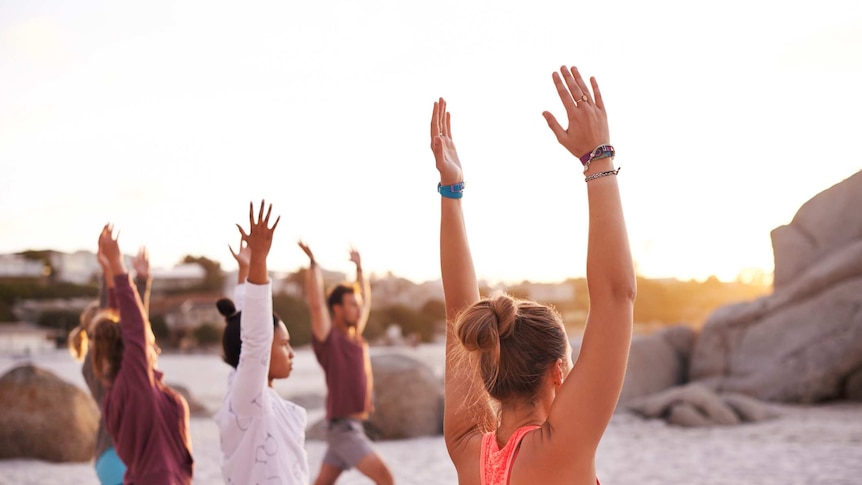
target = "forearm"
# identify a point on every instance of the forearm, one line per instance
(460, 286)
(610, 270)
(256, 333)
(133, 325)
(314, 288)
(144, 287)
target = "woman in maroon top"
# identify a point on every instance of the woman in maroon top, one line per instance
(147, 420)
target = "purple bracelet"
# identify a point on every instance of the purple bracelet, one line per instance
(601, 151)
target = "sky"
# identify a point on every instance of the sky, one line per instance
(167, 118)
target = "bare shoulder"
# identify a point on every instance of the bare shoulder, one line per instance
(543, 459)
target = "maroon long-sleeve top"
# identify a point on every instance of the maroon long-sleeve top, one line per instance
(148, 421)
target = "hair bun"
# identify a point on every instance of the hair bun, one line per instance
(505, 310)
(226, 307)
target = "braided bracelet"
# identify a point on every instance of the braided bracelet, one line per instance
(602, 174)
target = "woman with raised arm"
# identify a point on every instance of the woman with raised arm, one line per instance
(262, 435)
(109, 468)
(550, 414)
(147, 420)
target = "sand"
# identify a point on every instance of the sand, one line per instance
(805, 445)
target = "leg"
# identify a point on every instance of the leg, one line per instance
(328, 474)
(372, 466)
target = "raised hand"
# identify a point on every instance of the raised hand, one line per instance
(355, 258)
(443, 147)
(587, 119)
(109, 251)
(258, 242)
(243, 256)
(141, 263)
(259, 237)
(307, 251)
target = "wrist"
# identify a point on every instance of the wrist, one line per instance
(600, 165)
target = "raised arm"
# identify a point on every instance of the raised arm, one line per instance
(256, 329)
(364, 286)
(587, 399)
(134, 327)
(321, 322)
(143, 277)
(243, 259)
(460, 290)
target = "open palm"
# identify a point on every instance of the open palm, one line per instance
(445, 154)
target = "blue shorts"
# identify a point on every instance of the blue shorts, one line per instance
(110, 468)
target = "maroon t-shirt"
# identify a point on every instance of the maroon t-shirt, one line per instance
(148, 421)
(346, 365)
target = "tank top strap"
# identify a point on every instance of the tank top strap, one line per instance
(496, 462)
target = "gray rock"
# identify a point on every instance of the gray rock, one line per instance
(196, 408)
(800, 352)
(748, 408)
(707, 403)
(823, 225)
(46, 418)
(685, 414)
(654, 365)
(408, 399)
(853, 386)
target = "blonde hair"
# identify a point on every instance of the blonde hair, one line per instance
(78, 340)
(513, 343)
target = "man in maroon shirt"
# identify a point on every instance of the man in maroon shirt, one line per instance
(337, 324)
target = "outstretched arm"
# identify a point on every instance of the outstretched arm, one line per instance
(143, 277)
(256, 330)
(460, 290)
(321, 323)
(587, 399)
(364, 286)
(134, 326)
(243, 260)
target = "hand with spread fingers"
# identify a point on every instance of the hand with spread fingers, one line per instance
(307, 251)
(587, 119)
(242, 258)
(259, 242)
(445, 154)
(141, 263)
(109, 251)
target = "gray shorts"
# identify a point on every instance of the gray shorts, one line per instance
(347, 442)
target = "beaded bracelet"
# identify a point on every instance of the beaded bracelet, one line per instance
(602, 174)
(454, 191)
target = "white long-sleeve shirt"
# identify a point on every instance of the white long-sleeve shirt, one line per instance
(262, 435)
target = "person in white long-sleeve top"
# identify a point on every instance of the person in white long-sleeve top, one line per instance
(262, 435)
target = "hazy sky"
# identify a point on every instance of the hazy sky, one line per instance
(168, 117)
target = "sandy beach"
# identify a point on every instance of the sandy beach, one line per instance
(805, 445)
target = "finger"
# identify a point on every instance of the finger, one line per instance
(564, 94)
(276, 223)
(250, 217)
(581, 84)
(600, 102)
(260, 213)
(571, 83)
(268, 212)
(434, 122)
(235, 255)
(558, 130)
(448, 125)
(242, 233)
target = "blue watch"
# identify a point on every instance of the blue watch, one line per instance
(454, 191)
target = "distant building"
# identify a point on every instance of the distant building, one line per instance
(184, 313)
(26, 339)
(392, 290)
(15, 266)
(80, 267)
(181, 277)
(551, 292)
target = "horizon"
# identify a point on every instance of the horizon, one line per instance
(168, 118)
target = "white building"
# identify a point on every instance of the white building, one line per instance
(17, 266)
(26, 339)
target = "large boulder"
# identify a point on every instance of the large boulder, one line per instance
(824, 224)
(197, 409)
(46, 418)
(408, 399)
(801, 343)
(656, 362)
